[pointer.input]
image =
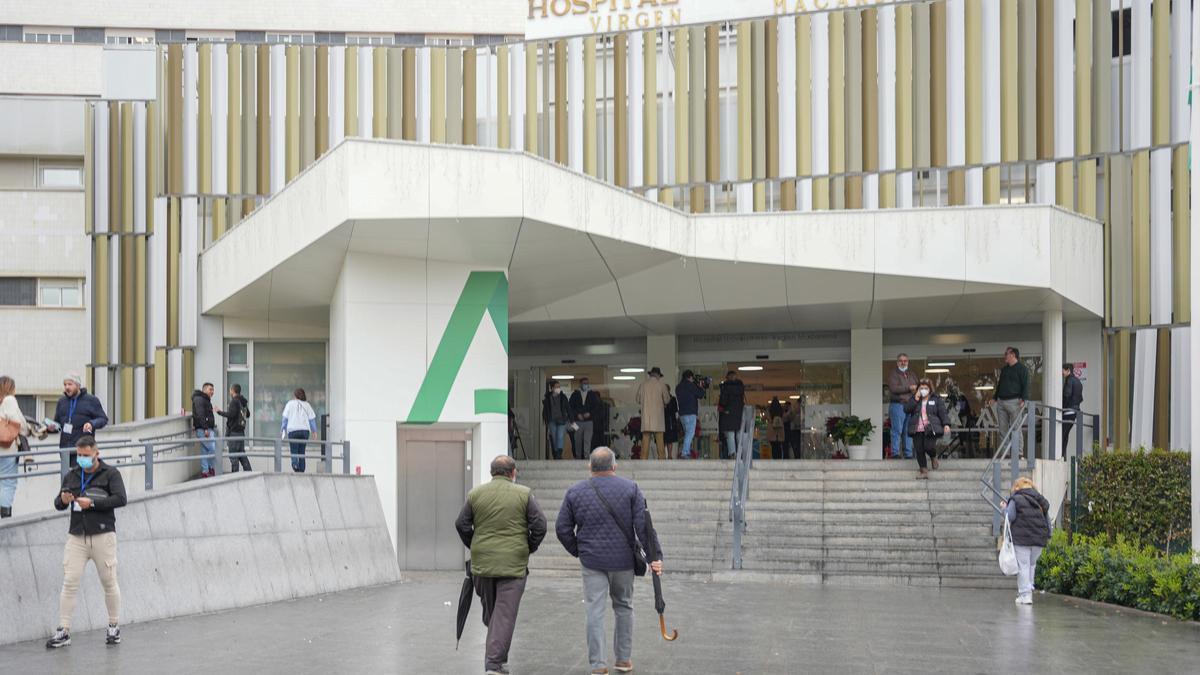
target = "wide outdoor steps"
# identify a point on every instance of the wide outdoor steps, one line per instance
(822, 521)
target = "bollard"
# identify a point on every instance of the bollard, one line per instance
(278, 456)
(149, 459)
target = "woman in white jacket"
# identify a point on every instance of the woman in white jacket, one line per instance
(299, 424)
(10, 415)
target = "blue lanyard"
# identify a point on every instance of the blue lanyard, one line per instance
(84, 479)
(71, 411)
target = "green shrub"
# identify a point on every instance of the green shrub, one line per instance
(1122, 573)
(1144, 497)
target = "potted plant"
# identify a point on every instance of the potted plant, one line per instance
(853, 432)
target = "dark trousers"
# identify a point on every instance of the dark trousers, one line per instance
(237, 463)
(795, 440)
(923, 445)
(1068, 421)
(298, 449)
(501, 617)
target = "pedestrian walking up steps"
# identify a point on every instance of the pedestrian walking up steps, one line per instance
(838, 522)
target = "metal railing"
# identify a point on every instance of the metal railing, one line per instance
(739, 490)
(1033, 420)
(150, 453)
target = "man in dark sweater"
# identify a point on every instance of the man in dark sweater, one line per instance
(1072, 398)
(1012, 391)
(597, 522)
(92, 490)
(689, 394)
(235, 427)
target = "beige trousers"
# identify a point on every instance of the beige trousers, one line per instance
(658, 444)
(101, 549)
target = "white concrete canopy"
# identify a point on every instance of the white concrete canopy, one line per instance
(588, 259)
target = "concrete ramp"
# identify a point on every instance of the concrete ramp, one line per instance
(210, 545)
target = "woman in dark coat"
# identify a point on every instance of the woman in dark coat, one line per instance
(1027, 512)
(729, 405)
(928, 420)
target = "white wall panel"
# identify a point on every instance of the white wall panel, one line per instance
(337, 95)
(189, 234)
(1145, 356)
(423, 95)
(139, 167)
(1161, 230)
(575, 103)
(277, 162)
(191, 107)
(1181, 63)
(100, 170)
(220, 118)
(1181, 388)
(366, 91)
(637, 87)
(516, 95)
(1141, 95)
(1064, 79)
(156, 260)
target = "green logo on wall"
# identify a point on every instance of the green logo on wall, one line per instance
(485, 293)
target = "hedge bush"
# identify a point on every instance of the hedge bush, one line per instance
(1122, 573)
(1142, 496)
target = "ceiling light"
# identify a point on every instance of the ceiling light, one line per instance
(562, 377)
(941, 364)
(750, 368)
(984, 387)
(633, 370)
(936, 370)
(795, 397)
(624, 377)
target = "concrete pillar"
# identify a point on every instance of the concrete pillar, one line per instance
(866, 383)
(1083, 346)
(1194, 335)
(1052, 360)
(396, 358)
(661, 351)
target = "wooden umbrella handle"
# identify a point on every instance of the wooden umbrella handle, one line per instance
(662, 625)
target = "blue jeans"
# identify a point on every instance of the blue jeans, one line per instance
(8, 486)
(298, 450)
(731, 444)
(900, 430)
(207, 449)
(558, 433)
(689, 433)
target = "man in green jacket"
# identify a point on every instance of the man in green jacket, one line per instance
(1010, 395)
(503, 525)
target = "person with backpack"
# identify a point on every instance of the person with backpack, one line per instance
(1028, 515)
(235, 427)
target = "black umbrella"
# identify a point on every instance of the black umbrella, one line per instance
(653, 553)
(464, 604)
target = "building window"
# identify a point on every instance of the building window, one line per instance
(49, 35)
(367, 39)
(60, 177)
(28, 405)
(1122, 33)
(126, 38)
(449, 40)
(60, 293)
(210, 36)
(18, 292)
(292, 38)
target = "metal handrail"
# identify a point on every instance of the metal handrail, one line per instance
(739, 490)
(147, 453)
(1027, 422)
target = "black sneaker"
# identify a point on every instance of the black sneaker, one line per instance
(61, 638)
(114, 635)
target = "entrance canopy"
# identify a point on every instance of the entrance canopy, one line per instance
(588, 259)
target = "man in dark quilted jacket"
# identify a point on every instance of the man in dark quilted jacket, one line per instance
(597, 523)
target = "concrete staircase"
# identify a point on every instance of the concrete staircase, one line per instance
(817, 521)
(869, 523)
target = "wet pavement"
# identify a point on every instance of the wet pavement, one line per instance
(755, 627)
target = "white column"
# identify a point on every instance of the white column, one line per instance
(866, 382)
(637, 86)
(1145, 361)
(278, 113)
(191, 106)
(661, 351)
(1052, 360)
(1161, 235)
(1141, 78)
(1193, 336)
(337, 95)
(516, 96)
(366, 91)
(787, 99)
(423, 95)
(991, 85)
(956, 93)
(819, 60)
(575, 103)
(886, 50)
(220, 118)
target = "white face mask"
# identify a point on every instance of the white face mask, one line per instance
(923, 392)
(903, 369)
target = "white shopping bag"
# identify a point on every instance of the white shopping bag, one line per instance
(1008, 554)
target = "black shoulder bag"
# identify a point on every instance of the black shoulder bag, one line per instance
(639, 558)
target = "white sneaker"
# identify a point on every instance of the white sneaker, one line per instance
(1024, 599)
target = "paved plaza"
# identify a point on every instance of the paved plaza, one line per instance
(724, 628)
